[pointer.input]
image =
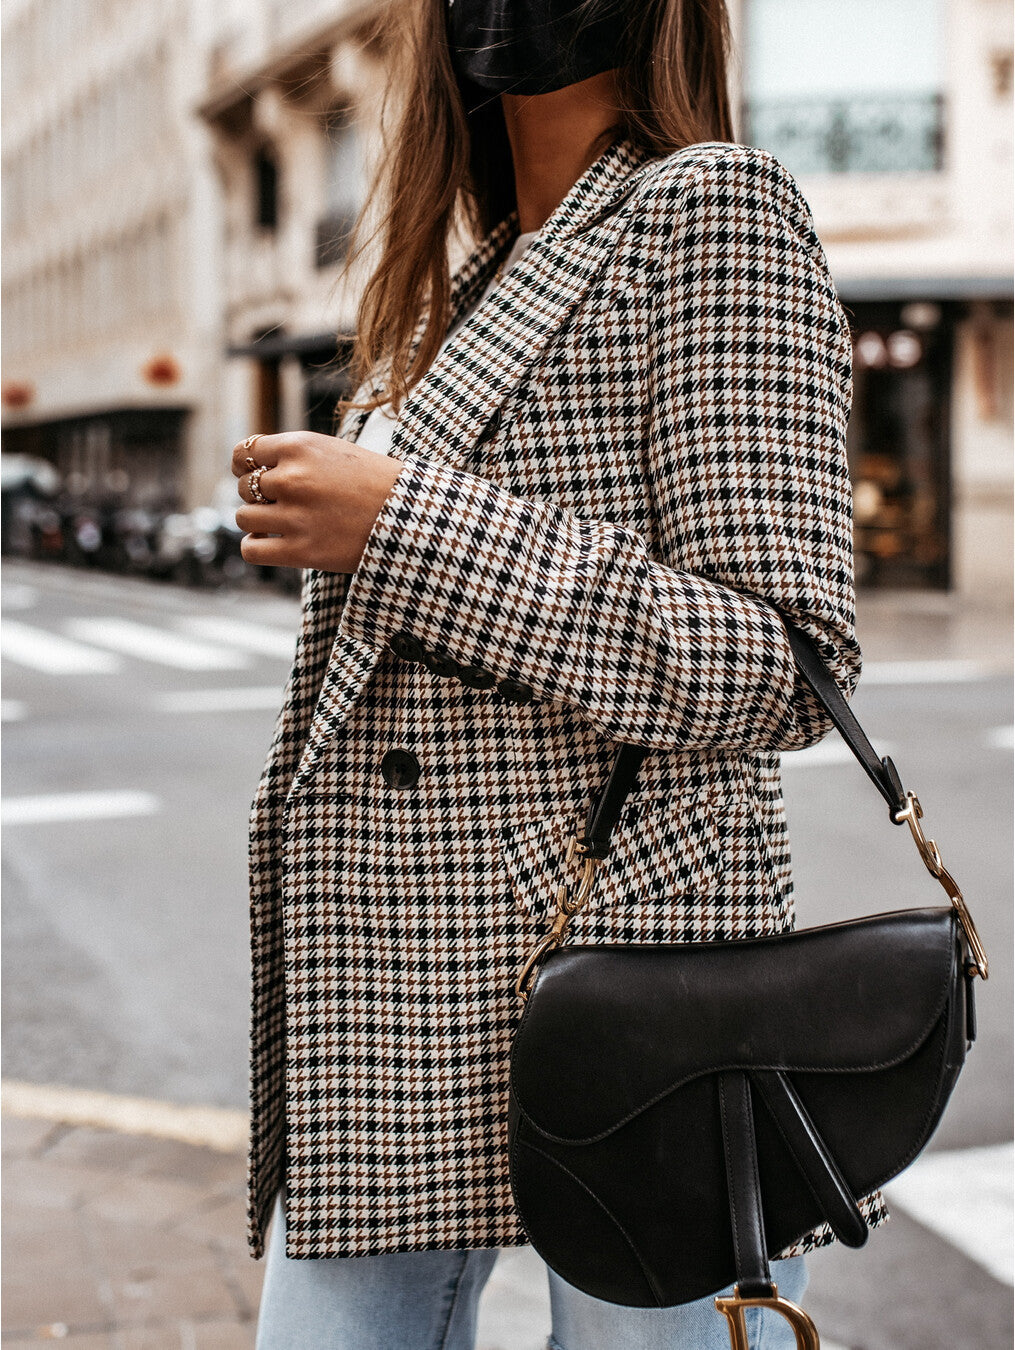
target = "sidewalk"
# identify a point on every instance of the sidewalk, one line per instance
(910, 626)
(126, 1241)
(122, 1242)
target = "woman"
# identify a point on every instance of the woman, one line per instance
(576, 523)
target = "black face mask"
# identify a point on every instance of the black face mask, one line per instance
(534, 46)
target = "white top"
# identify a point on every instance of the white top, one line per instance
(380, 426)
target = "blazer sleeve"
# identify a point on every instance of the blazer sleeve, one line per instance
(680, 646)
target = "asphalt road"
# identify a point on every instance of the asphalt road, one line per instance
(136, 720)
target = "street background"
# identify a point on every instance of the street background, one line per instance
(178, 211)
(136, 720)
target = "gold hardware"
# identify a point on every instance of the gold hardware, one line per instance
(912, 814)
(733, 1310)
(567, 908)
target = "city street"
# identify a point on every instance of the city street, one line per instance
(136, 717)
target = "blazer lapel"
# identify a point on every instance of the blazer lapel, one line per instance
(475, 374)
(467, 285)
(489, 355)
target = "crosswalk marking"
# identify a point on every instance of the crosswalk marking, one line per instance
(251, 637)
(1001, 738)
(53, 807)
(222, 700)
(18, 596)
(12, 710)
(922, 672)
(50, 654)
(965, 1196)
(155, 644)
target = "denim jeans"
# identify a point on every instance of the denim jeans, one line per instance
(429, 1301)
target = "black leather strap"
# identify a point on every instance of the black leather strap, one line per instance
(754, 1277)
(606, 807)
(811, 1155)
(882, 772)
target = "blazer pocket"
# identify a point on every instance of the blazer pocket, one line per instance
(666, 846)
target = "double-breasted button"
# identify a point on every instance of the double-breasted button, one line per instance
(400, 768)
(407, 646)
(476, 677)
(441, 665)
(515, 691)
(491, 428)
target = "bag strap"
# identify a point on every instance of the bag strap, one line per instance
(606, 808)
(593, 845)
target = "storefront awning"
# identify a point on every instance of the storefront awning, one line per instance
(291, 344)
(924, 288)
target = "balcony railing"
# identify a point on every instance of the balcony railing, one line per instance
(899, 134)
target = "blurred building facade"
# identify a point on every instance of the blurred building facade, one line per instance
(896, 118)
(292, 102)
(111, 341)
(243, 169)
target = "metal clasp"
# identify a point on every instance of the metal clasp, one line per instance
(567, 907)
(912, 814)
(733, 1310)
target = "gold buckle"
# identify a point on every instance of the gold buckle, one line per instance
(567, 908)
(912, 814)
(733, 1310)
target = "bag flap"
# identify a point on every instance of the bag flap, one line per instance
(609, 1030)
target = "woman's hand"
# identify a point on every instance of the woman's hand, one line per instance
(323, 496)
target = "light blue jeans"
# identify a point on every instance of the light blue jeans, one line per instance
(429, 1301)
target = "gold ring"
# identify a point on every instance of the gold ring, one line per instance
(255, 486)
(248, 444)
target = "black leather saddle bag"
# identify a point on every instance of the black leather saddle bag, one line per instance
(682, 1113)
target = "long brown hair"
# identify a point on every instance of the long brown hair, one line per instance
(446, 167)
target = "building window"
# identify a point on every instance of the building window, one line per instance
(266, 189)
(266, 413)
(855, 88)
(344, 188)
(898, 443)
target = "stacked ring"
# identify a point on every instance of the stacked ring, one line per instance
(255, 485)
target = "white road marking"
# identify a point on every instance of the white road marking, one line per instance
(155, 644)
(52, 655)
(55, 807)
(251, 637)
(12, 710)
(965, 1196)
(825, 754)
(1001, 738)
(206, 1126)
(922, 672)
(18, 596)
(221, 700)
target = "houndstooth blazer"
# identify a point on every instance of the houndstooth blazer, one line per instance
(626, 462)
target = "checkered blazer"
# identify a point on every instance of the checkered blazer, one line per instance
(626, 462)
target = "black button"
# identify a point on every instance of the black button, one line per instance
(476, 677)
(407, 646)
(491, 428)
(515, 692)
(400, 768)
(440, 665)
